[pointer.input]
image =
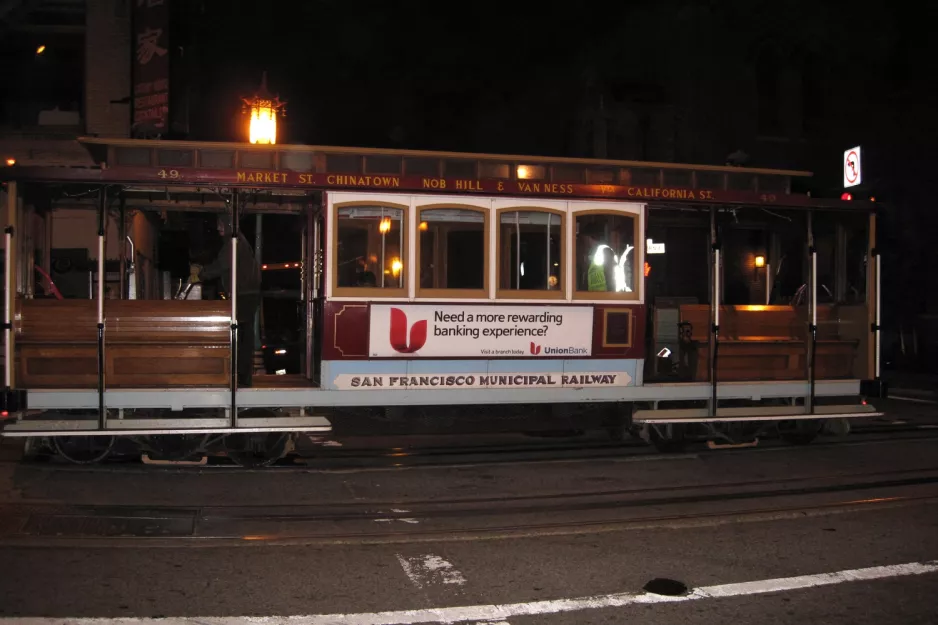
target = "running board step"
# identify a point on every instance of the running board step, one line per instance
(151, 427)
(754, 413)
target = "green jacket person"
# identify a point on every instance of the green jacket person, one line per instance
(600, 260)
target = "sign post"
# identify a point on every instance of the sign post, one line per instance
(852, 172)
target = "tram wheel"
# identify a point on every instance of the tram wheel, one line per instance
(83, 449)
(800, 431)
(669, 438)
(256, 450)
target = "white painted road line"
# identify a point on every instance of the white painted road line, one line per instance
(430, 570)
(498, 613)
(916, 400)
(412, 521)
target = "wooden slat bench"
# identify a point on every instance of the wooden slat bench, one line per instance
(763, 343)
(835, 354)
(148, 343)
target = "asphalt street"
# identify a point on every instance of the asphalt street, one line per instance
(844, 531)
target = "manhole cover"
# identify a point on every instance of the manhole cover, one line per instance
(664, 586)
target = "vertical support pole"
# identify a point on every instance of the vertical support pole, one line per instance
(547, 247)
(304, 260)
(383, 242)
(875, 327)
(258, 251)
(311, 286)
(304, 296)
(715, 311)
(102, 209)
(28, 247)
(233, 417)
(812, 326)
(9, 273)
(7, 313)
(517, 250)
(9, 287)
(768, 284)
(19, 256)
(122, 237)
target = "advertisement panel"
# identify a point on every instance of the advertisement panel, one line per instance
(447, 331)
(151, 67)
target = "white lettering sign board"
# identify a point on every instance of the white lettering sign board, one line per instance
(455, 381)
(430, 331)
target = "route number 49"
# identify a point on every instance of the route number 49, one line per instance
(172, 173)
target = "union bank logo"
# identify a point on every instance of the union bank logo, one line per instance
(398, 336)
(535, 349)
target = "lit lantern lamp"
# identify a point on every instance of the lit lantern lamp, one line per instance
(264, 109)
(385, 225)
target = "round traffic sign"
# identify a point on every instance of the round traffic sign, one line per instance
(851, 169)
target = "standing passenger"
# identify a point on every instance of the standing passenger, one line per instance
(599, 259)
(248, 293)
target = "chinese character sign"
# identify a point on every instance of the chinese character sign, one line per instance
(151, 67)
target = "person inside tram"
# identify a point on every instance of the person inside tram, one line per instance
(366, 278)
(599, 260)
(248, 292)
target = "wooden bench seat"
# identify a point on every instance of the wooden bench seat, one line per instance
(763, 343)
(148, 343)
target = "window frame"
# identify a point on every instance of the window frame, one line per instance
(367, 291)
(531, 294)
(437, 293)
(636, 212)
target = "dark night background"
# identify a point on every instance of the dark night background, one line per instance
(791, 84)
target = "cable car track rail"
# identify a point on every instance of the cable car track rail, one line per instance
(464, 518)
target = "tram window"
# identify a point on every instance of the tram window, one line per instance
(531, 172)
(568, 173)
(383, 165)
(710, 179)
(216, 159)
(530, 251)
(680, 178)
(459, 169)
(606, 256)
(256, 159)
(645, 176)
(132, 157)
(452, 250)
(494, 170)
(296, 161)
(343, 164)
(741, 182)
(369, 247)
(421, 167)
(600, 176)
(174, 158)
